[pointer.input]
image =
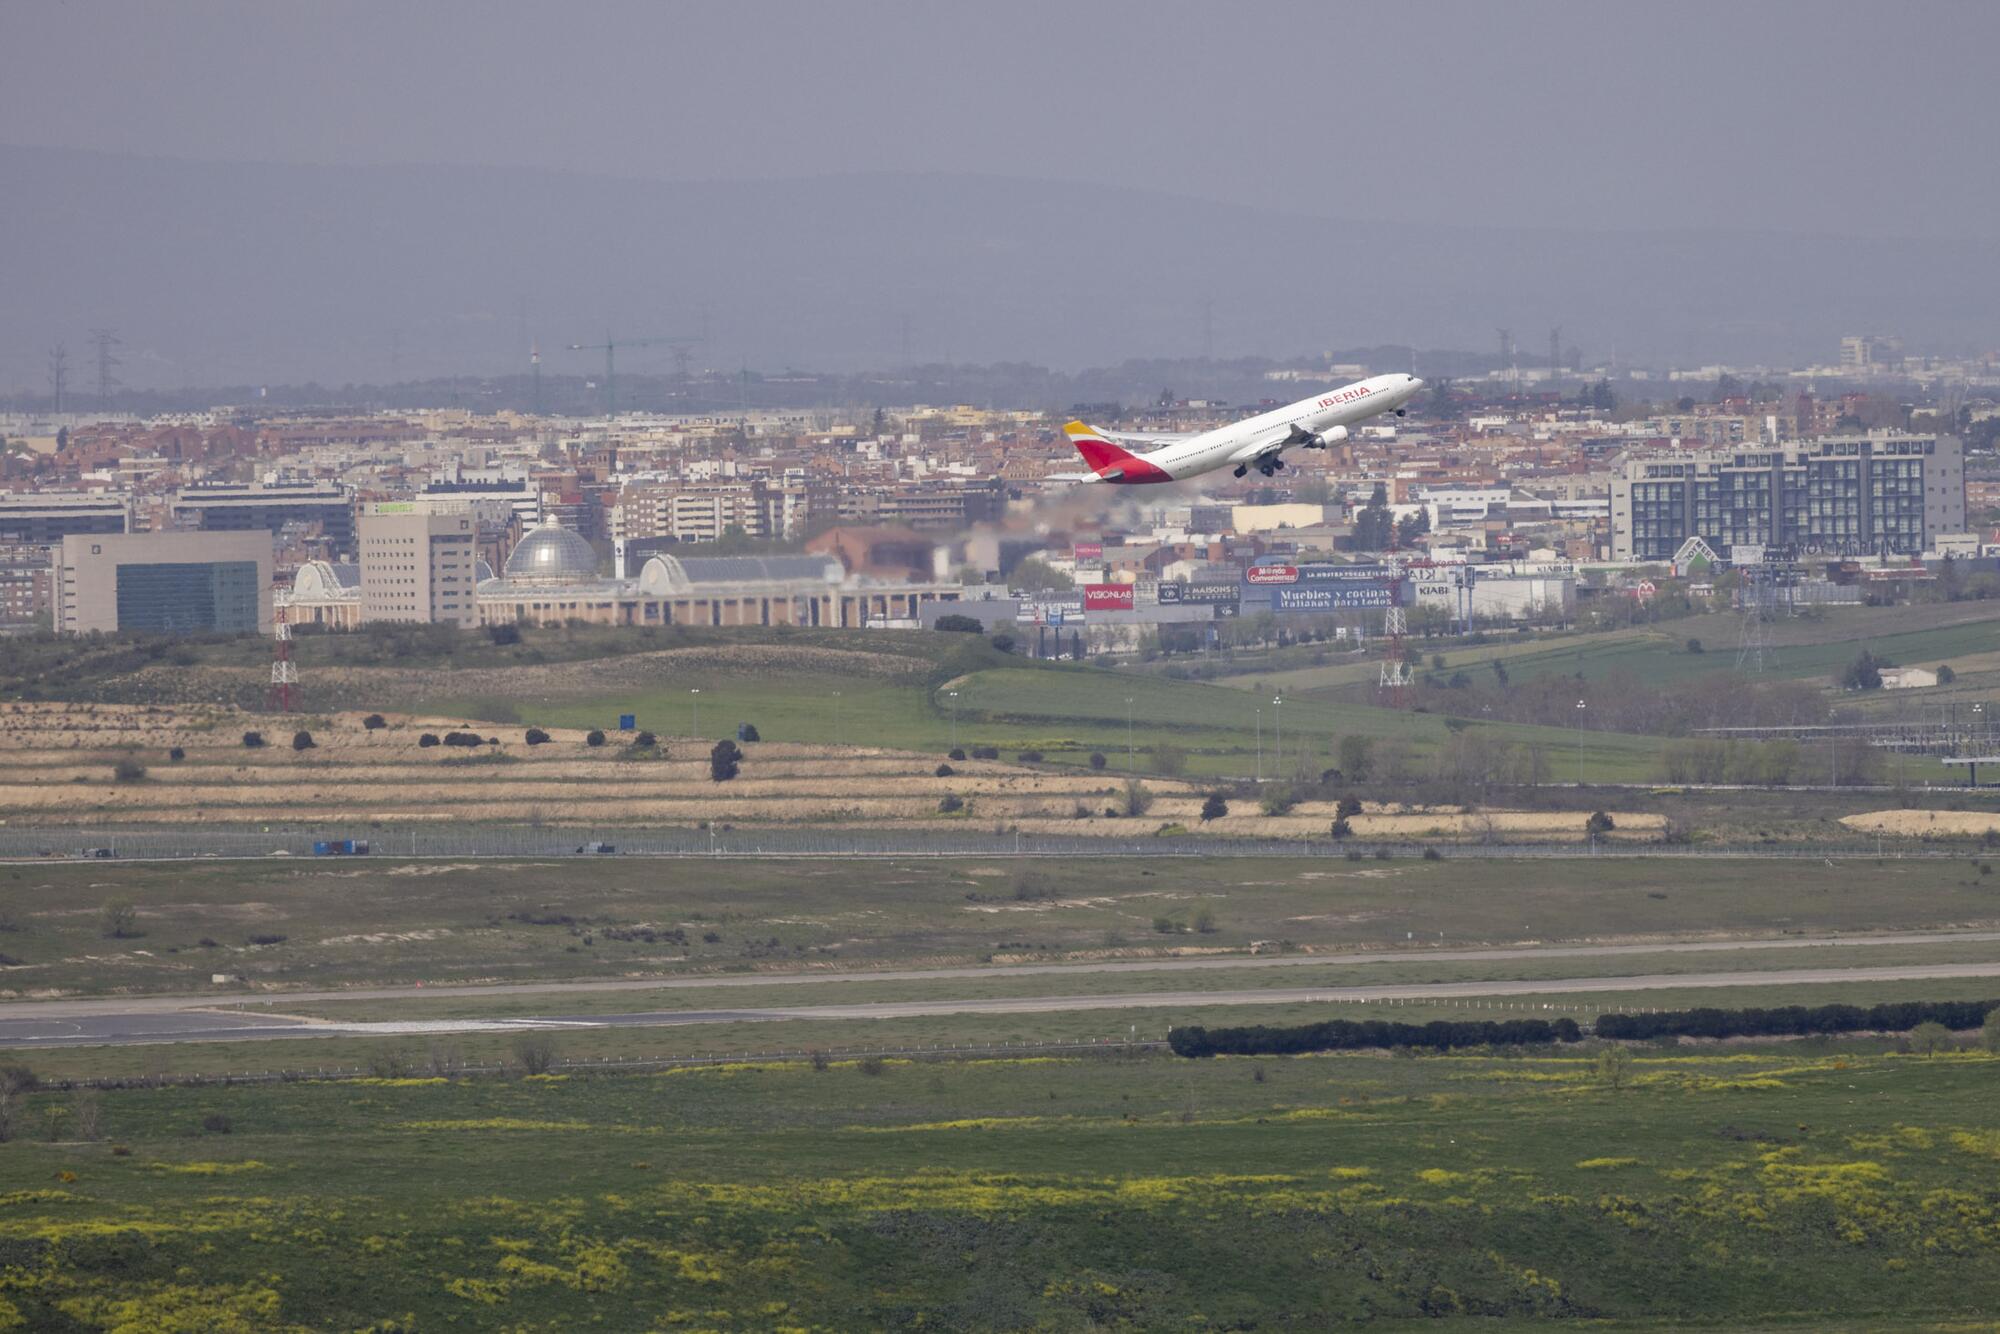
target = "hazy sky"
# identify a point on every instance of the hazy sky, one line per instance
(1856, 118)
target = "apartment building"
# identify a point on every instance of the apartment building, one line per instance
(1884, 492)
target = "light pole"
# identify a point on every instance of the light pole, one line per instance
(836, 718)
(1278, 709)
(952, 695)
(1579, 743)
(1260, 743)
(1128, 732)
(694, 695)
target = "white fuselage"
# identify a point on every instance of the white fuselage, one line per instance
(1244, 441)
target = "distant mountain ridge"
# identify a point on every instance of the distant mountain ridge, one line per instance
(236, 273)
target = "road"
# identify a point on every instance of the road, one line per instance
(113, 1027)
(417, 995)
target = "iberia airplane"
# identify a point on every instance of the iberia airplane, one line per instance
(1255, 442)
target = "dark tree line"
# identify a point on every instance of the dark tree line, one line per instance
(1354, 1035)
(1794, 1020)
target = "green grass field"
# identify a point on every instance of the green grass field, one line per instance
(399, 922)
(1822, 1187)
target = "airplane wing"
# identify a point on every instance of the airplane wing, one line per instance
(1278, 439)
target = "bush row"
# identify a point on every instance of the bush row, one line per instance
(1794, 1020)
(1352, 1035)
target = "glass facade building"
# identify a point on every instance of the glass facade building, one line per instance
(218, 597)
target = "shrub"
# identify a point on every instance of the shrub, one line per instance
(1340, 828)
(374, 722)
(643, 741)
(1946, 675)
(944, 771)
(1169, 760)
(536, 737)
(821, 1062)
(1350, 806)
(1030, 757)
(428, 739)
(464, 739)
(1166, 926)
(1138, 798)
(593, 737)
(1598, 825)
(747, 733)
(266, 938)
(302, 740)
(957, 624)
(1003, 643)
(18, 1078)
(1694, 646)
(176, 755)
(504, 634)
(536, 1053)
(118, 918)
(1277, 801)
(1214, 808)
(1930, 1037)
(215, 1123)
(252, 740)
(950, 804)
(128, 771)
(1433, 855)
(956, 753)
(1204, 920)
(872, 1066)
(1097, 760)
(986, 752)
(723, 761)
(1989, 1032)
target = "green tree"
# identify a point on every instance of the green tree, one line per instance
(1989, 1032)
(1864, 673)
(118, 918)
(1614, 1067)
(1354, 752)
(1214, 807)
(1138, 797)
(1036, 576)
(1169, 760)
(1930, 1037)
(1598, 825)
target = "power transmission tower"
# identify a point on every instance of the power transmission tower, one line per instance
(1555, 358)
(283, 694)
(59, 373)
(609, 347)
(104, 340)
(1758, 597)
(535, 371)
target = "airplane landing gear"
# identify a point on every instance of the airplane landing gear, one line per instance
(1241, 469)
(1402, 412)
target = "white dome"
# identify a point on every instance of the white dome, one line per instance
(552, 554)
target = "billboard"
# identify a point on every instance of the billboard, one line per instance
(1212, 592)
(1260, 576)
(1170, 594)
(1107, 597)
(1084, 551)
(1332, 597)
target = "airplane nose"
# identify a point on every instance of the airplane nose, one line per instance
(1416, 383)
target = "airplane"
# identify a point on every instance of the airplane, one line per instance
(1255, 442)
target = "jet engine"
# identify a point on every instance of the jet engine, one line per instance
(1332, 436)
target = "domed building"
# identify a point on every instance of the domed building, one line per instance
(551, 554)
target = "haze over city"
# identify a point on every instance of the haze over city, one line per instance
(390, 192)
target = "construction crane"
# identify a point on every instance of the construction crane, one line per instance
(609, 347)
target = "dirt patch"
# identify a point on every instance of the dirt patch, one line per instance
(1919, 824)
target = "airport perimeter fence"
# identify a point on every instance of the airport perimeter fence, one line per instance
(515, 841)
(930, 1051)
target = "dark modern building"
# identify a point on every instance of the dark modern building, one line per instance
(47, 517)
(1839, 495)
(239, 507)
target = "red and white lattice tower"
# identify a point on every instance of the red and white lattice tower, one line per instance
(1393, 682)
(283, 695)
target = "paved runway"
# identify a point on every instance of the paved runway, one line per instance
(115, 1027)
